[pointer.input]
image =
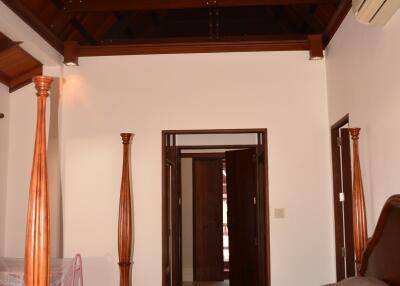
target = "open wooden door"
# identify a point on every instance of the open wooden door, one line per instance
(343, 206)
(242, 177)
(208, 225)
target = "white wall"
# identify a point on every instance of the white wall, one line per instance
(4, 137)
(187, 218)
(22, 130)
(281, 91)
(363, 67)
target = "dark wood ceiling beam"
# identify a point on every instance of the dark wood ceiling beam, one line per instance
(196, 47)
(123, 5)
(84, 33)
(336, 20)
(6, 45)
(28, 17)
(4, 79)
(24, 78)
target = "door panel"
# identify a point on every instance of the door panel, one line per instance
(348, 202)
(342, 185)
(208, 227)
(241, 176)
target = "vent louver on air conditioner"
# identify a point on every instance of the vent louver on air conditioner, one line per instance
(375, 12)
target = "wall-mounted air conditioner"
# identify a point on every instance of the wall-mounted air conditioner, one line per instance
(375, 12)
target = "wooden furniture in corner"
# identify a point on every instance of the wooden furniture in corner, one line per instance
(125, 215)
(381, 258)
(359, 217)
(37, 245)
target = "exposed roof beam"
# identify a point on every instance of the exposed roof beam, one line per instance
(6, 44)
(84, 33)
(123, 5)
(25, 78)
(4, 79)
(238, 45)
(341, 11)
(29, 18)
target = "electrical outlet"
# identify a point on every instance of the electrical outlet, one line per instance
(279, 213)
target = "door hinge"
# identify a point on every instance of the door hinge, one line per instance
(343, 251)
(339, 141)
(341, 197)
(180, 201)
(254, 200)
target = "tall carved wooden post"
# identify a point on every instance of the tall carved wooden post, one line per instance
(37, 245)
(359, 217)
(125, 216)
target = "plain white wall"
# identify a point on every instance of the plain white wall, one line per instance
(363, 67)
(187, 218)
(282, 91)
(20, 155)
(4, 139)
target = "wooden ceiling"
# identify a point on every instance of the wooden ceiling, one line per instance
(110, 27)
(17, 67)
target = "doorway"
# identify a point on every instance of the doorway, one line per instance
(225, 210)
(342, 199)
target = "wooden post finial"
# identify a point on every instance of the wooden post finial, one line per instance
(359, 216)
(355, 133)
(125, 232)
(42, 84)
(126, 138)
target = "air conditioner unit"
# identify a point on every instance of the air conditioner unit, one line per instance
(375, 12)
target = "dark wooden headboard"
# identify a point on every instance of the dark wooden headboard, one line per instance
(381, 258)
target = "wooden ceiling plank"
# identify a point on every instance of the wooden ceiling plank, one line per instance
(26, 15)
(308, 19)
(24, 78)
(199, 47)
(123, 5)
(336, 20)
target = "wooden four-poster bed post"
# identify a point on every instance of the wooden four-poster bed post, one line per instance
(37, 244)
(359, 217)
(125, 215)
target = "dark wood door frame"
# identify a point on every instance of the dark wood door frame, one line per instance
(342, 182)
(169, 139)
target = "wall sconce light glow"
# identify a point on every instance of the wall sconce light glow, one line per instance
(70, 64)
(315, 58)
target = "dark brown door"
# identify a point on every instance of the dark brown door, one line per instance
(342, 184)
(173, 261)
(208, 225)
(241, 177)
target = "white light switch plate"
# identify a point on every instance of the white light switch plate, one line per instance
(279, 213)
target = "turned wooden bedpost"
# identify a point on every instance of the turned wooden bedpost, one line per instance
(37, 244)
(125, 216)
(359, 217)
